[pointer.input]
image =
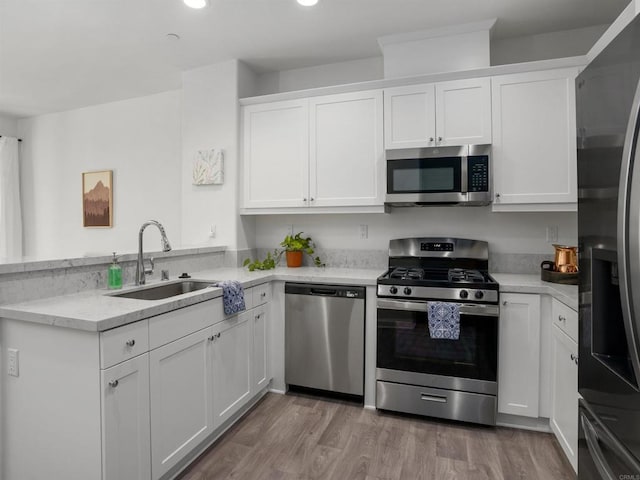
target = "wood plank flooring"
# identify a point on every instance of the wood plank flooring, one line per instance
(295, 436)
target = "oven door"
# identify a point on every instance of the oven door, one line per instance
(406, 353)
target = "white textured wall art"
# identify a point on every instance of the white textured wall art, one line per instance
(208, 167)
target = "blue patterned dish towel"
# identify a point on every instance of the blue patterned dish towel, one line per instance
(444, 320)
(232, 296)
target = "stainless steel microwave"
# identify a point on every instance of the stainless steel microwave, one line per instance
(447, 175)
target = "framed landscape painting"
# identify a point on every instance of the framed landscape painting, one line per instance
(97, 198)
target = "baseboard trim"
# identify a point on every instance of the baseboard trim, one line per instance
(523, 423)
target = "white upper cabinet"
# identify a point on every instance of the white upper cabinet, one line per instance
(534, 140)
(457, 112)
(314, 152)
(276, 154)
(347, 152)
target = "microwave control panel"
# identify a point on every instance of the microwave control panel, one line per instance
(478, 173)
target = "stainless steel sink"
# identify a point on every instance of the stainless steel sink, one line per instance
(166, 290)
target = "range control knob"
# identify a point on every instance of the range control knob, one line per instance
(407, 291)
(464, 294)
(393, 290)
(479, 294)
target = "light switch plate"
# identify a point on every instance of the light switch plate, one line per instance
(12, 363)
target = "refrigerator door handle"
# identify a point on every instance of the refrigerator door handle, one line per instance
(629, 234)
(596, 452)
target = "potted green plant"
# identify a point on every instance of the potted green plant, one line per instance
(294, 247)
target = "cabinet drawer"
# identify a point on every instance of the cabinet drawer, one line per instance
(565, 319)
(248, 298)
(170, 326)
(261, 294)
(122, 343)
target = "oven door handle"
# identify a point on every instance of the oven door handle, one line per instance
(414, 306)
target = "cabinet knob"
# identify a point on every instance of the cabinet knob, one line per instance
(258, 316)
(573, 357)
(497, 195)
(113, 383)
(311, 199)
(131, 343)
(218, 335)
(263, 294)
(504, 302)
(439, 139)
(576, 360)
(212, 338)
(561, 318)
(430, 139)
(304, 199)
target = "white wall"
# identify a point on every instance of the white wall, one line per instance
(320, 76)
(8, 125)
(139, 139)
(210, 119)
(505, 232)
(566, 43)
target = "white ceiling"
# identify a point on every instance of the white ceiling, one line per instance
(61, 54)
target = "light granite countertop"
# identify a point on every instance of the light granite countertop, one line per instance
(521, 283)
(98, 310)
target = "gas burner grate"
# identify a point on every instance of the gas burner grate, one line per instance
(463, 275)
(407, 273)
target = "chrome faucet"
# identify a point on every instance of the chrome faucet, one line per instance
(166, 246)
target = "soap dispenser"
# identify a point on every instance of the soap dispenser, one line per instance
(115, 274)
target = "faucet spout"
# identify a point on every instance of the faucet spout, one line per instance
(166, 246)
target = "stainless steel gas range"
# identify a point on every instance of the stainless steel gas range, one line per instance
(438, 377)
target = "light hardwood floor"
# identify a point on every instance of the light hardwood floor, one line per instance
(301, 437)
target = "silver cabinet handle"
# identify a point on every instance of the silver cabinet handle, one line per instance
(504, 302)
(311, 199)
(561, 318)
(212, 338)
(439, 139)
(258, 316)
(433, 398)
(430, 139)
(497, 195)
(575, 360)
(304, 200)
(131, 343)
(218, 335)
(113, 383)
(573, 357)
(263, 294)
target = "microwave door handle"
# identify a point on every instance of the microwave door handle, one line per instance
(464, 173)
(629, 233)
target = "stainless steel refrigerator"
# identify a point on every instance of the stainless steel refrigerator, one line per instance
(608, 119)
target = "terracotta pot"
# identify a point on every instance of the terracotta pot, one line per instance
(294, 259)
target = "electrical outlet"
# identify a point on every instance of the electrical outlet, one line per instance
(552, 234)
(13, 365)
(364, 232)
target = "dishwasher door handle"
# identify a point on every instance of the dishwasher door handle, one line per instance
(324, 292)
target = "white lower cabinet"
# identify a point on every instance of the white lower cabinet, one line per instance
(261, 376)
(126, 429)
(564, 401)
(231, 366)
(181, 399)
(519, 355)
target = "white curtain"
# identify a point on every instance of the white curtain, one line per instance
(10, 209)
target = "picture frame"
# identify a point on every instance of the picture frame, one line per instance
(97, 199)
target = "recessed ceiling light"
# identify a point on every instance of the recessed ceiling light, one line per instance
(195, 3)
(307, 3)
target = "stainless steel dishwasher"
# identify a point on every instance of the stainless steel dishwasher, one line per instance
(324, 337)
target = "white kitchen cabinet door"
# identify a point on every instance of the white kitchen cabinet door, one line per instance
(181, 399)
(231, 366)
(276, 154)
(534, 138)
(346, 150)
(519, 355)
(463, 112)
(409, 117)
(260, 373)
(126, 447)
(564, 394)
